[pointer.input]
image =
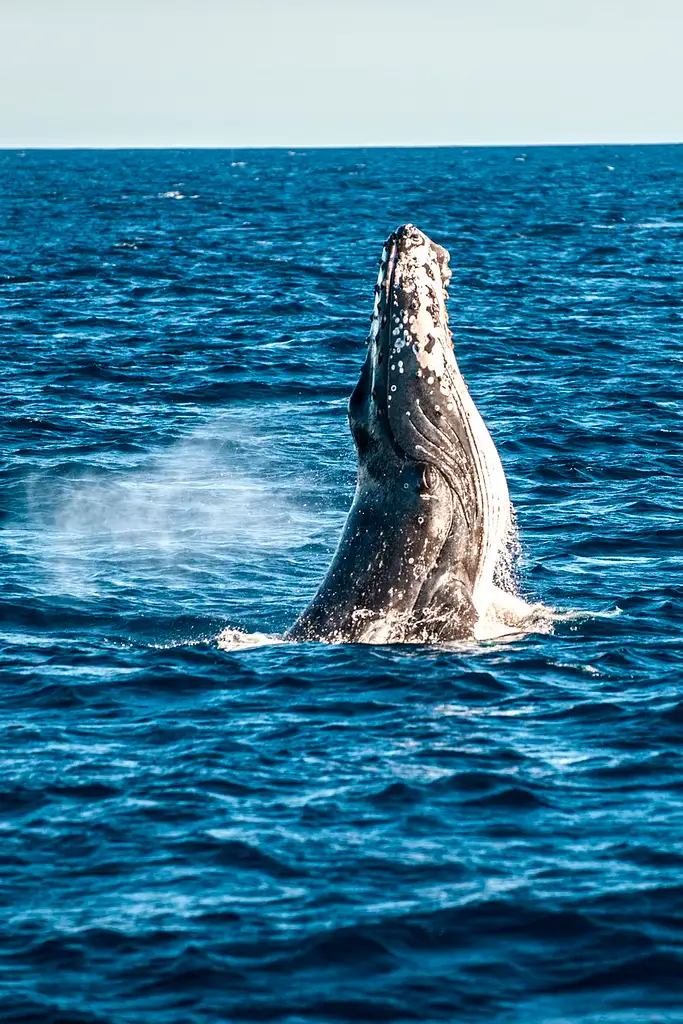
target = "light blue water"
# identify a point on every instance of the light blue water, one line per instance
(305, 832)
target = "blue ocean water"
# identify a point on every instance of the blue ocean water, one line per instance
(312, 833)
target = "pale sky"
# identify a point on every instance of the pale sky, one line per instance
(341, 73)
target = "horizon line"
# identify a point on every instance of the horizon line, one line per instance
(114, 147)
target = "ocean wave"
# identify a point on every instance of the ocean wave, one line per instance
(203, 822)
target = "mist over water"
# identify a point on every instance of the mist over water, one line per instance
(221, 494)
(309, 832)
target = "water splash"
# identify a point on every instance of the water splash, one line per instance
(239, 640)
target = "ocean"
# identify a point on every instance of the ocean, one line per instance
(491, 832)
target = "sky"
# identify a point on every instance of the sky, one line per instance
(298, 73)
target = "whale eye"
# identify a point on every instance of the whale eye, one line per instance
(430, 479)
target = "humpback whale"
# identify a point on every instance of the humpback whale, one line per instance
(418, 559)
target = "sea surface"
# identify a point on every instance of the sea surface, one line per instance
(311, 833)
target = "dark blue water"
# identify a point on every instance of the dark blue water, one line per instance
(311, 833)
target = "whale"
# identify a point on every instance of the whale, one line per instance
(420, 555)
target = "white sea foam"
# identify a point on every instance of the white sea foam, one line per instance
(656, 225)
(239, 640)
(507, 619)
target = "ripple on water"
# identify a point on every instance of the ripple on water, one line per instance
(202, 822)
